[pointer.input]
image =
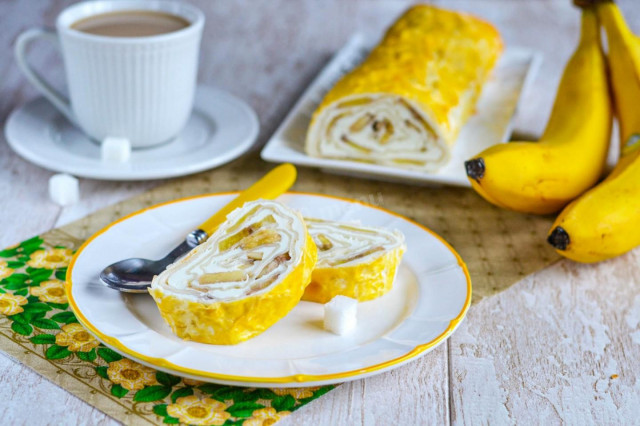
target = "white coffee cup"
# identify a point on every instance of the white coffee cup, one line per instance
(139, 88)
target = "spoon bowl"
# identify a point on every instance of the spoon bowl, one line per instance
(131, 275)
(134, 275)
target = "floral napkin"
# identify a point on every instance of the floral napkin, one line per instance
(38, 328)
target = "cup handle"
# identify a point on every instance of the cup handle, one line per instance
(23, 41)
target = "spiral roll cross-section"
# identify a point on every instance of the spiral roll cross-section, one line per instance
(406, 103)
(353, 260)
(248, 275)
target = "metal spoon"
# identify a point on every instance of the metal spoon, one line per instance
(135, 275)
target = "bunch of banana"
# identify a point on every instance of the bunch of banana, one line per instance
(542, 177)
(599, 223)
(603, 223)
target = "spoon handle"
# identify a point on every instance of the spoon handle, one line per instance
(272, 185)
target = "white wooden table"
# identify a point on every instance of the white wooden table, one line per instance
(561, 346)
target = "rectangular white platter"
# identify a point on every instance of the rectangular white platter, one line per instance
(491, 124)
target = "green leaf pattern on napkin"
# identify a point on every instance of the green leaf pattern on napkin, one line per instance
(33, 300)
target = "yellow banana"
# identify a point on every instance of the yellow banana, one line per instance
(624, 65)
(570, 157)
(603, 223)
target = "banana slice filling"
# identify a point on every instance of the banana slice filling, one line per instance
(379, 129)
(354, 261)
(250, 273)
(405, 104)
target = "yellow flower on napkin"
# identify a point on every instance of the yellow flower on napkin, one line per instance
(76, 338)
(50, 259)
(50, 291)
(297, 393)
(191, 382)
(5, 271)
(131, 375)
(265, 417)
(11, 304)
(195, 411)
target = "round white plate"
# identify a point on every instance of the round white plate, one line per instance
(221, 128)
(429, 299)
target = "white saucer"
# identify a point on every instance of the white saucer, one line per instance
(429, 299)
(221, 128)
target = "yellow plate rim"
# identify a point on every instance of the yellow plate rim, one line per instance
(298, 378)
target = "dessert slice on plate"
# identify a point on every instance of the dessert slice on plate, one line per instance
(354, 261)
(248, 275)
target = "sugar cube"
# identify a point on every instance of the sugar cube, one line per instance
(340, 314)
(64, 189)
(115, 150)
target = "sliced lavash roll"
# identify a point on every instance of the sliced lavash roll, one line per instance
(406, 103)
(353, 260)
(248, 275)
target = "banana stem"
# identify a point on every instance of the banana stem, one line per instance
(584, 3)
(613, 20)
(589, 3)
(590, 28)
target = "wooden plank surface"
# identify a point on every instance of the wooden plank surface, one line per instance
(545, 351)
